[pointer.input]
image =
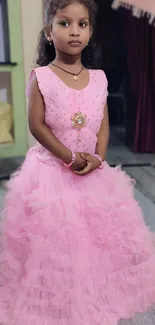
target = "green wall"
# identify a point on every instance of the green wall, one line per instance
(19, 147)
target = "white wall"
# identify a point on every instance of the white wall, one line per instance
(32, 23)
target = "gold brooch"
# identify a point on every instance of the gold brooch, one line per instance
(79, 120)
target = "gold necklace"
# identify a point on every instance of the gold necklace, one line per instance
(75, 75)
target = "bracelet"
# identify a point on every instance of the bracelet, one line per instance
(100, 159)
(72, 160)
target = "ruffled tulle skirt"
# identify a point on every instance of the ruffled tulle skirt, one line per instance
(75, 250)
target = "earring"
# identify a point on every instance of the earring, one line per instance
(50, 42)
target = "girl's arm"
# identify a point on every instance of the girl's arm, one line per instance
(36, 118)
(103, 135)
(101, 147)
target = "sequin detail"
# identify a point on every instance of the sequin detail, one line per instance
(79, 120)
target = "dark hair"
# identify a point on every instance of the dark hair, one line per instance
(46, 52)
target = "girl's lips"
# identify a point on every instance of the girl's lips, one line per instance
(74, 43)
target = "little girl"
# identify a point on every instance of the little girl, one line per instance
(75, 249)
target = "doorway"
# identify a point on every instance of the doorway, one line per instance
(109, 36)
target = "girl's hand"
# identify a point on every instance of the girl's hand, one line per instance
(92, 164)
(79, 163)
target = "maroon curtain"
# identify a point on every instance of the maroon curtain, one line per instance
(140, 42)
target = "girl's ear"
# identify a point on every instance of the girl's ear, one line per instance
(47, 31)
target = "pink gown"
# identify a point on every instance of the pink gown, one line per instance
(75, 250)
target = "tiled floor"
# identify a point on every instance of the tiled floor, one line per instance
(118, 153)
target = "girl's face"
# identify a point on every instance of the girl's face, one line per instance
(71, 30)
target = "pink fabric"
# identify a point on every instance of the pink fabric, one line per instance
(75, 250)
(138, 7)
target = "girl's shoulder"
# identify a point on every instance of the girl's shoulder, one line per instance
(99, 80)
(99, 74)
(41, 74)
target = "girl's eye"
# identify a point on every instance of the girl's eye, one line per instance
(83, 24)
(64, 23)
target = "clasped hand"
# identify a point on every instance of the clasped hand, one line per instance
(85, 164)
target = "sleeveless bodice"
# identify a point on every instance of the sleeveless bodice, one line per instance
(62, 105)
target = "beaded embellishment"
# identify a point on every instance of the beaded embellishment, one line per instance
(79, 120)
